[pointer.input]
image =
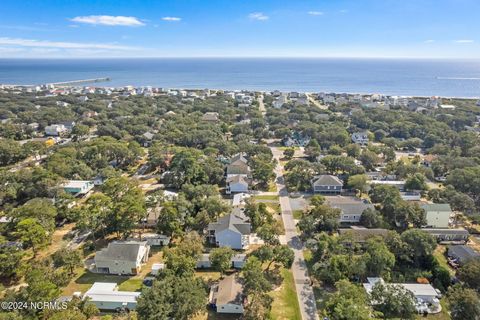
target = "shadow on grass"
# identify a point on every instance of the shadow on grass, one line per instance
(90, 278)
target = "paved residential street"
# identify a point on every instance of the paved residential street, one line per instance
(304, 290)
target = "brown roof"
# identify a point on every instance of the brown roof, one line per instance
(229, 291)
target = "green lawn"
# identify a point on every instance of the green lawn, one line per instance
(285, 148)
(131, 285)
(439, 254)
(272, 187)
(297, 214)
(266, 197)
(285, 303)
(85, 279)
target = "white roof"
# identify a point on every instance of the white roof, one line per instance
(76, 183)
(158, 266)
(388, 182)
(447, 106)
(418, 289)
(239, 198)
(106, 292)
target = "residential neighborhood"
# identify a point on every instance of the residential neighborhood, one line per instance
(206, 204)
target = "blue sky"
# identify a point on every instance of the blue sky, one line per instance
(240, 28)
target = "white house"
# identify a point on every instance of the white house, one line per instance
(437, 214)
(227, 296)
(238, 261)
(447, 107)
(122, 257)
(360, 138)
(426, 296)
(237, 183)
(83, 99)
(232, 230)
(239, 199)
(55, 130)
(105, 296)
(78, 187)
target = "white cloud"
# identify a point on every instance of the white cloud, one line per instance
(171, 19)
(10, 50)
(429, 41)
(109, 20)
(258, 16)
(315, 13)
(60, 45)
(343, 11)
(464, 41)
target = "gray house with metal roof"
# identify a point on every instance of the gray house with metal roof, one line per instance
(122, 257)
(232, 230)
(105, 296)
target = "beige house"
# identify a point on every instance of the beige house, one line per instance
(238, 166)
(122, 257)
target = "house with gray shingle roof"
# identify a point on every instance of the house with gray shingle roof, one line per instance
(122, 257)
(461, 254)
(352, 212)
(232, 230)
(326, 184)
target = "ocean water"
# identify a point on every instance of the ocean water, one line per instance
(450, 78)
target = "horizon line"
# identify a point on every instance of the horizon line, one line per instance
(244, 57)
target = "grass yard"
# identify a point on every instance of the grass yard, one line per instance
(297, 214)
(439, 254)
(59, 240)
(131, 285)
(272, 187)
(285, 303)
(84, 279)
(266, 197)
(207, 275)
